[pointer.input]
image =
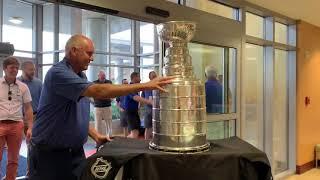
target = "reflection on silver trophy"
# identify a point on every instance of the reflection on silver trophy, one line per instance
(179, 116)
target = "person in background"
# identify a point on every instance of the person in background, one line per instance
(62, 124)
(147, 94)
(214, 91)
(132, 108)
(15, 100)
(35, 86)
(123, 116)
(103, 113)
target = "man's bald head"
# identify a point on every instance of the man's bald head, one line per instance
(79, 52)
(77, 41)
(102, 75)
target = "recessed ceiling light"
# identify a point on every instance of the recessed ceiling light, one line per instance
(16, 20)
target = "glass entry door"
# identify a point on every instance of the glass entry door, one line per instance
(252, 104)
(216, 68)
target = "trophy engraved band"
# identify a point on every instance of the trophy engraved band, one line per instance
(179, 116)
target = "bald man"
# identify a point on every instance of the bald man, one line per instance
(62, 123)
(103, 113)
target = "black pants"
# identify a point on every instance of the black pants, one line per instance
(54, 164)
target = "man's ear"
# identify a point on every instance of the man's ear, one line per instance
(73, 51)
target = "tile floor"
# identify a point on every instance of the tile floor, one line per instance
(313, 174)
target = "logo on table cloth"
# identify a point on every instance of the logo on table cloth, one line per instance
(101, 168)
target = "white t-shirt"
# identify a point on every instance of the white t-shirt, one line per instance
(12, 99)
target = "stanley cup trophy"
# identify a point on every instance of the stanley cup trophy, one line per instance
(179, 116)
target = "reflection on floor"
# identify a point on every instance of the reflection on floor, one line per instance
(313, 174)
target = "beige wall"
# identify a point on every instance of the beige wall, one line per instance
(308, 84)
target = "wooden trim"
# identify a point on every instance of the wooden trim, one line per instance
(305, 167)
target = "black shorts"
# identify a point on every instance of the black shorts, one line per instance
(148, 117)
(123, 119)
(133, 120)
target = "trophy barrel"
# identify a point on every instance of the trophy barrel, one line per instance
(179, 116)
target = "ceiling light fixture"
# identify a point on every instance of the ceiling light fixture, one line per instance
(16, 20)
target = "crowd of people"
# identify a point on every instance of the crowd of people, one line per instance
(55, 115)
(129, 107)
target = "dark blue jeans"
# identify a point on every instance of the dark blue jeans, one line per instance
(54, 164)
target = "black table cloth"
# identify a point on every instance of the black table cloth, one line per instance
(227, 159)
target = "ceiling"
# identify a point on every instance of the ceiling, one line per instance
(306, 10)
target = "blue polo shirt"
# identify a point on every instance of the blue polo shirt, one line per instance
(130, 104)
(214, 96)
(121, 100)
(146, 94)
(35, 86)
(63, 114)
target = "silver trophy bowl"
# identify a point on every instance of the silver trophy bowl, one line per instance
(179, 116)
(176, 31)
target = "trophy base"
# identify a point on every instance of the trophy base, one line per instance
(180, 150)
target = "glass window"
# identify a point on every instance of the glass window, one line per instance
(116, 74)
(252, 93)
(146, 37)
(254, 25)
(144, 73)
(280, 112)
(100, 59)
(281, 33)
(95, 27)
(17, 26)
(221, 129)
(47, 58)
(216, 66)
(121, 60)
(93, 70)
(48, 28)
(213, 7)
(147, 61)
(70, 22)
(120, 35)
(61, 56)
(44, 71)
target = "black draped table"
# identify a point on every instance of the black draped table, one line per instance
(227, 159)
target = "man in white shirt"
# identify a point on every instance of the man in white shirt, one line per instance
(14, 99)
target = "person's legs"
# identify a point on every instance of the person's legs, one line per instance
(134, 134)
(108, 119)
(14, 139)
(148, 133)
(52, 164)
(125, 131)
(25, 129)
(3, 134)
(124, 123)
(100, 124)
(148, 123)
(133, 124)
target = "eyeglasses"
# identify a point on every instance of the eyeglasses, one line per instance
(9, 95)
